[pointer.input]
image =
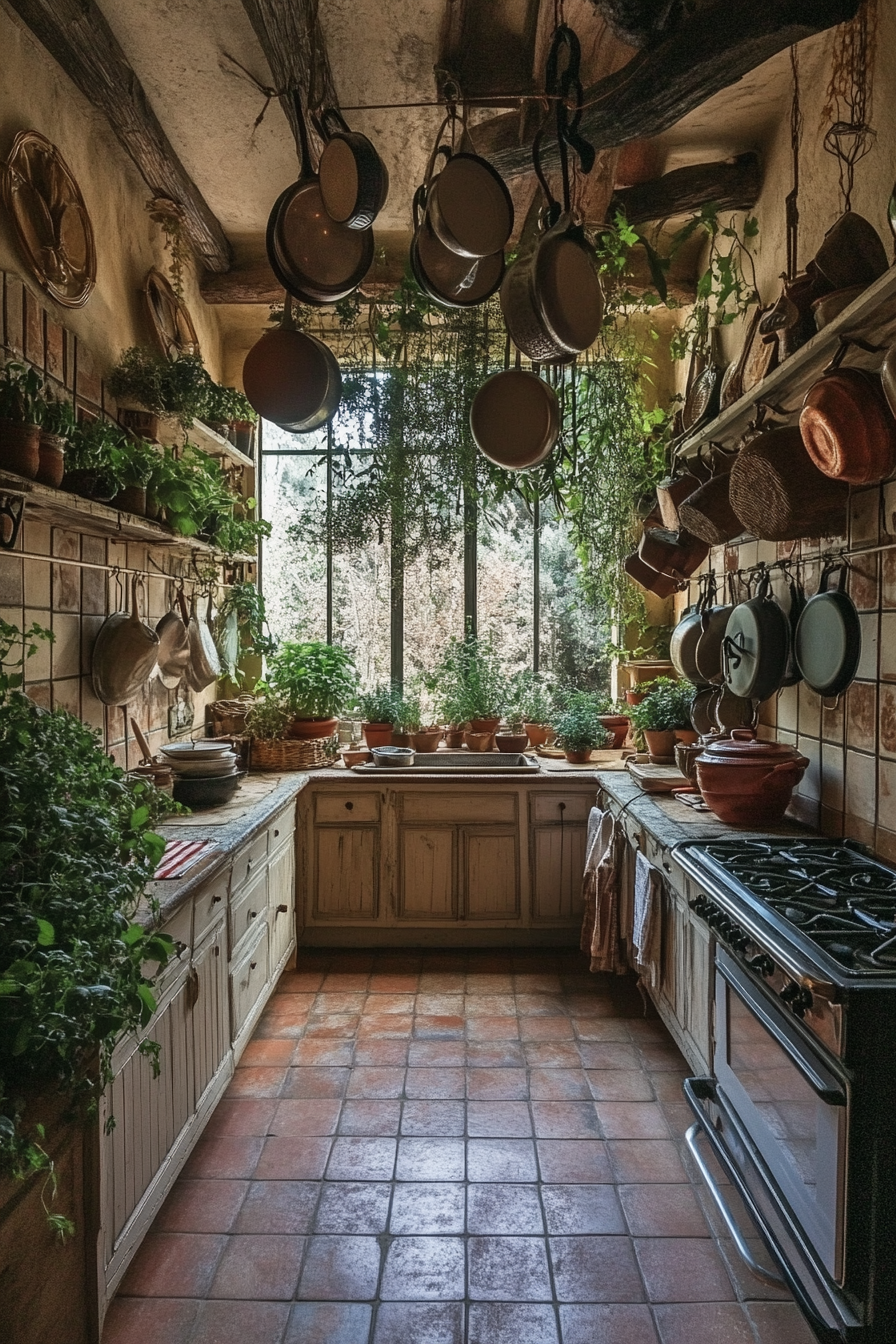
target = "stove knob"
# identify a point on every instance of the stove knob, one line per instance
(701, 906)
(762, 964)
(798, 999)
(739, 941)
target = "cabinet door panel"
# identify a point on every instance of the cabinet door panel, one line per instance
(700, 970)
(248, 978)
(247, 907)
(428, 886)
(346, 865)
(282, 903)
(491, 873)
(558, 860)
(211, 1015)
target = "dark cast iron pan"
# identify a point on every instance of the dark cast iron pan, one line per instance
(829, 637)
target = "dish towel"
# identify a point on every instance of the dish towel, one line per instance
(600, 889)
(646, 920)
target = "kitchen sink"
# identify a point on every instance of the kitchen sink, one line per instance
(457, 764)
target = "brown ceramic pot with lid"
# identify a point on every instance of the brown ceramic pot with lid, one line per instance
(747, 782)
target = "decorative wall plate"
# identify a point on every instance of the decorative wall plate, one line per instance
(50, 219)
(169, 317)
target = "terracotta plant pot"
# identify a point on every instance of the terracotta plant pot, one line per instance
(52, 459)
(686, 735)
(80, 482)
(427, 740)
(132, 499)
(581, 757)
(512, 742)
(399, 740)
(634, 697)
(747, 782)
(307, 728)
(686, 760)
(153, 507)
(145, 424)
(20, 448)
(454, 738)
(355, 756)
(537, 733)
(660, 745)
(377, 734)
(618, 725)
(479, 741)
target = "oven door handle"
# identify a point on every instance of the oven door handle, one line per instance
(824, 1084)
(764, 1275)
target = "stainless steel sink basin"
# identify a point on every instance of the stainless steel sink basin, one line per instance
(457, 764)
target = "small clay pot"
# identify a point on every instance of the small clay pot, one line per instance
(311, 728)
(537, 733)
(52, 459)
(427, 740)
(20, 448)
(618, 725)
(484, 725)
(634, 697)
(355, 756)
(400, 740)
(686, 735)
(132, 499)
(377, 734)
(512, 742)
(746, 782)
(686, 759)
(581, 757)
(660, 745)
(454, 738)
(479, 741)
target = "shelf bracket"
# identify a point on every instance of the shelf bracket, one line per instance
(12, 509)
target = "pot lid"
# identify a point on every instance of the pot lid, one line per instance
(744, 748)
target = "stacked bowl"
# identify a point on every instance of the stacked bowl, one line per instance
(206, 774)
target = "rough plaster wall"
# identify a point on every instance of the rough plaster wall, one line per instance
(36, 95)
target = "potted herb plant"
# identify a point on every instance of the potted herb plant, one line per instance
(664, 709)
(533, 702)
(89, 457)
(132, 463)
(579, 729)
(615, 722)
(407, 719)
(316, 681)
(267, 723)
(21, 412)
(378, 713)
(471, 684)
(178, 387)
(58, 423)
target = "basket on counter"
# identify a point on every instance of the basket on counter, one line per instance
(226, 718)
(290, 753)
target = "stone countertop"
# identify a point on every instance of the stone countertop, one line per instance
(670, 821)
(259, 798)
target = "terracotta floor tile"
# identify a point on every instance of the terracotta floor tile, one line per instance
(438, 1027)
(546, 1029)
(433, 1119)
(419, 1323)
(230, 1157)
(261, 1268)
(371, 1082)
(439, 1005)
(295, 982)
(593, 1033)
(501, 1160)
(391, 1003)
(323, 1051)
(423, 1268)
(342, 982)
(584, 1209)
(619, 1085)
(267, 1053)
(441, 982)
(667, 1086)
(293, 1159)
(615, 1055)
(508, 1269)
(551, 1054)
(329, 1323)
(504, 1210)
(242, 1117)
(649, 1030)
(435, 1084)
(593, 1005)
(489, 1005)
(495, 1055)
(340, 1003)
(353, 1208)
(537, 984)
(779, 1323)
(573, 1161)
(173, 1264)
(636, 1161)
(257, 1082)
(382, 1053)
(430, 1160)
(608, 1324)
(361, 1159)
(498, 1119)
(497, 1085)
(156, 1320)
(427, 1209)
(285, 1207)
(443, 1054)
(370, 1118)
(511, 1323)
(342, 1269)
(201, 1206)
(315, 1117)
(565, 1120)
(296, 1002)
(683, 1269)
(747, 1285)
(385, 1026)
(281, 1027)
(541, 1005)
(708, 1322)
(595, 1269)
(559, 1085)
(332, 1026)
(660, 1058)
(492, 1028)
(311, 1081)
(395, 983)
(662, 1211)
(632, 1120)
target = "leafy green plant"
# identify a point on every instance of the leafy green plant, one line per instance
(469, 682)
(316, 680)
(268, 718)
(530, 699)
(408, 713)
(667, 705)
(224, 405)
(578, 727)
(59, 417)
(242, 628)
(21, 394)
(132, 462)
(178, 387)
(77, 849)
(379, 705)
(724, 292)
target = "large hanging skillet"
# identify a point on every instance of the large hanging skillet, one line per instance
(291, 378)
(829, 637)
(450, 280)
(686, 635)
(468, 207)
(756, 645)
(515, 419)
(354, 181)
(315, 259)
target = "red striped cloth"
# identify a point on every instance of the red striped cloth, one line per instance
(179, 856)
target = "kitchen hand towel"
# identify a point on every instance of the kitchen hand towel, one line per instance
(646, 921)
(600, 889)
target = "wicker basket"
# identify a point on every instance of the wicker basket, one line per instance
(708, 512)
(226, 718)
(290, 753)
(779, 494)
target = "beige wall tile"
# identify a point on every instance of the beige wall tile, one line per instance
(39, 665)
(37, 583)
(11, 589)
(885, 844)
(867, 668)
(864, 513)
(832, 765)
(833, 718)
(67, 694)
(859, 798)
(90, 628)
(888, 646)
(861, 715)
(886, 783)
(92, 709)
(810, 784)
(830, 822)
(38, 537)
(887, 744)
(888, 578)
(809, 710)
(66, 645)
(788, 709)
(856, 828)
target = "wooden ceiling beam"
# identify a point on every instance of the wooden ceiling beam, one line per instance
(708, 51)
(732, 184)
(77, 36)
(292, 40)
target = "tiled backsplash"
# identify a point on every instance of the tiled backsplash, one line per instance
(849, 788)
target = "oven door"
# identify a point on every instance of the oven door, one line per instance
(790, 1101)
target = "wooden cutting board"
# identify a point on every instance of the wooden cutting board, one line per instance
(655, 778)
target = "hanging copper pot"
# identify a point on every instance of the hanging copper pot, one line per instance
(291, 378)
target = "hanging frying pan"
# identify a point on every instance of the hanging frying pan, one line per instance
(448, 279)
(515, 419)
(174, 644)
(829, 637)
(354, 182)
(756, 645)
(792, 674)
(683, 644)
(291, 378)
(315, 259)
(708, 653)
(204, 666)
(468, 207)
(124, 655)
(847, 427)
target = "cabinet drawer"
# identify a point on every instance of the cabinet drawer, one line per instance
(344, 808)
(247, 906)
(248, 979)
(208, 903)
(560, 806)
(461, 807)
(179, 925)
(248, 861)
(282, 828)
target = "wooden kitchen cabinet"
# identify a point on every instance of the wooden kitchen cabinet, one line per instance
(346, 872)
(282, 904)
(428, 873)
(491, 879)
(558, 862)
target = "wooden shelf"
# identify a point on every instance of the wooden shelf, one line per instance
(206, 439)
(62, 509)
(872, 317)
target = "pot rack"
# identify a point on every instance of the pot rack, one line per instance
(125, 571)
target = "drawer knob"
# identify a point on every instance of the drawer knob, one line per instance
(282, 909)
(349, 807)
(252, 914)
(562, 807)
(276, 833)
(252, 965)
(216, 900)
